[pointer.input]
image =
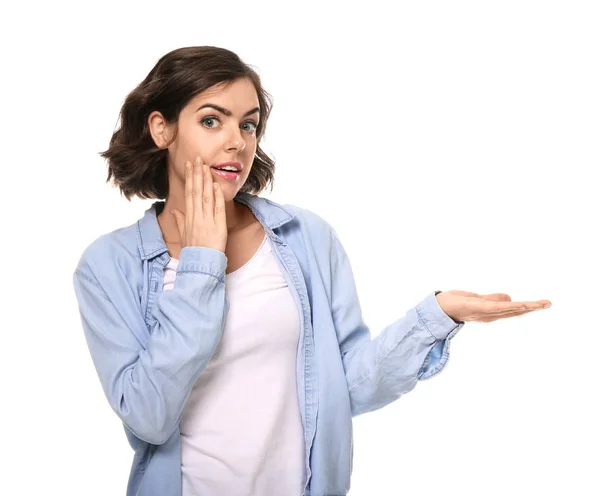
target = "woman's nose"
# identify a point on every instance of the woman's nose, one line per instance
(237, 145)
(236, 142)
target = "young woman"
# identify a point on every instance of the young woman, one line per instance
(225, 328)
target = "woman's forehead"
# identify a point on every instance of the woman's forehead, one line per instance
(236, 94)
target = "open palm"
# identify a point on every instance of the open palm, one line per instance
(472, 307)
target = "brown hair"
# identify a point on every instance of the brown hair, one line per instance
(138, 166)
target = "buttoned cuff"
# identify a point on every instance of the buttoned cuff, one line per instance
(437, 322)
(203, 260)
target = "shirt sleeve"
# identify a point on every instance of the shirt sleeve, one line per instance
(148, 374)
(380, 370)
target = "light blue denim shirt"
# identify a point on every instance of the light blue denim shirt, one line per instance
(150, 346)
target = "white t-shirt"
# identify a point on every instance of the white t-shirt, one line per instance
(241, 431)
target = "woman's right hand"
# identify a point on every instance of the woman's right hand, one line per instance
(204, 222)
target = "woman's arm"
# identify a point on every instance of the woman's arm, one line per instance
(147, 382)
(380, 370)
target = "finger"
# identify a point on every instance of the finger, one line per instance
(464, 293)
(198, 189)
(496, 297)
(504, 316)
(208, 199)
(491, 296)
(220, 217)
(179, 220)
(498, 307)
(189, 196)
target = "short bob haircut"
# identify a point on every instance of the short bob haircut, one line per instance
(138, 166)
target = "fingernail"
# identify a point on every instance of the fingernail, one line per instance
(547, 305)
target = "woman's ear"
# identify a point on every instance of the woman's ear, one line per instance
(159, 129)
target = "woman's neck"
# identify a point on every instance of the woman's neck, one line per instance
(236, 216)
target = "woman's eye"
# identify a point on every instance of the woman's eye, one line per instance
(209, 119)
(253, 126)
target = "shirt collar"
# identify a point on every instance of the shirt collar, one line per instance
(150, 239)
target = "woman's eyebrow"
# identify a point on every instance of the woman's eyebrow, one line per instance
(225, 111)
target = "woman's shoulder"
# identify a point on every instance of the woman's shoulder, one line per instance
(310, 231)
(113, 265)
(288, 216)
(307, 218)
(315, 225)
(109, 250)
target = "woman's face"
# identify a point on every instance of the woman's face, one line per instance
(218, 125)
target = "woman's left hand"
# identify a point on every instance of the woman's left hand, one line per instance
(472, 307)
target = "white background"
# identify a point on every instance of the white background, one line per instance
(452, 145)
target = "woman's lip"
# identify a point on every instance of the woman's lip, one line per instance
(230, 176)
